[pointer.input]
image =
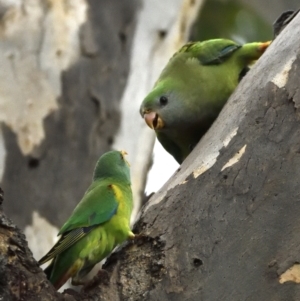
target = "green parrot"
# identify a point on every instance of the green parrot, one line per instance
(97, 225)
(192, 89)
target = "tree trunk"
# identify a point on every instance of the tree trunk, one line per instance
(20, 276)
(58, 170)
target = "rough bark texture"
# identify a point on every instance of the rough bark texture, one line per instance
(84, 126)
(20, 276)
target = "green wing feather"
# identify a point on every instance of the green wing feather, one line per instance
(209, 52)
(98, 205)
(66, 241)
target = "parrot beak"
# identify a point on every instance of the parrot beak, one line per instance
(153, 121)
(123, 154)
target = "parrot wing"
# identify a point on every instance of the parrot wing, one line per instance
(67, 240)
(98, 205)
(212, 52)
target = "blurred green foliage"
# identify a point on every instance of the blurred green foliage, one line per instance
(230, 19)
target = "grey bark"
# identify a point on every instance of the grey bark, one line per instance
(59, 171)
(20, 276)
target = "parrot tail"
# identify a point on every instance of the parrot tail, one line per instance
(48, 270)
(57, 277)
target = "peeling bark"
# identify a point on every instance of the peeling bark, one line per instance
(60, 169)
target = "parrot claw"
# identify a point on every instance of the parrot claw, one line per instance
(77, 282)
(139, 238)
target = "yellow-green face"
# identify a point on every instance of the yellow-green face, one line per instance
(113, 164)
(162, 106)
(151, 108)
(170, 105)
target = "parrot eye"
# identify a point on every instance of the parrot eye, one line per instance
(163, 100)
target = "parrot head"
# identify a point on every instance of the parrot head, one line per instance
(112, 164)
(160, 106)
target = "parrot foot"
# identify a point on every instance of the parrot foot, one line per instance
(77, 282)
(101, 277)
(139, 238)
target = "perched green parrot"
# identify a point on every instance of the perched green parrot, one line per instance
(193, 88)
(98, 223)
